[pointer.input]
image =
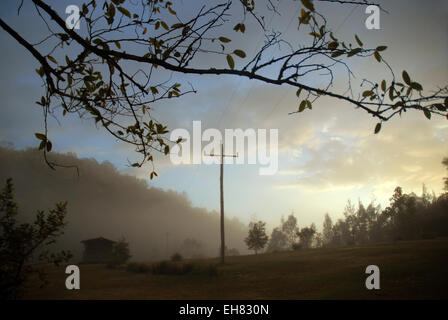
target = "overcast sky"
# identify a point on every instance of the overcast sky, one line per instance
(326, 155)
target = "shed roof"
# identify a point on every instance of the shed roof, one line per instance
(99, 239)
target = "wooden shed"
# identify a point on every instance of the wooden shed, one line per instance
(98, 250)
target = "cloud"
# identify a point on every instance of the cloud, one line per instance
(405, 152)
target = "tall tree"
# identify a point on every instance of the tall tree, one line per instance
(289, 228)
(87, 72)
(306, 236)
(278, 241)
(327, 232)
(257, 238)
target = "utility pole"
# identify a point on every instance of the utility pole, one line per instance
(221, 187)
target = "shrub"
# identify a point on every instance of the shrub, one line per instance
(296, 246)
(120, 254)
(137, 268)
(168, 268)
(176, 257)
(212, 270)
(176, 268)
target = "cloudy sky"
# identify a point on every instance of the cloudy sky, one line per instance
(326, 155)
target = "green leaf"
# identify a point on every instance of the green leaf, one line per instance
(377, 128)
(171, 11)
(230, 61)
(367, 93)
(381, 48)
(337, 53)
(298, 92)
(240, 27)
(353, 52)
(383, 85)
(308, 4)
(302, 105)
(185, 30)
(406, 78)
(40, 136)
(177, 25)
(49, 146)
(52, 59)
(117, 43)
(377, 56)
(42, 145)
(111, 10)
(240, 53)
(40, 71)
(391, 92)
(358, 41)
(333, 45)
(308, 104)
(427, 113)
(224, 39)
(164, 25)
(124, 11)
(416, 86)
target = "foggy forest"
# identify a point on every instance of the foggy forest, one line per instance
(223, 150)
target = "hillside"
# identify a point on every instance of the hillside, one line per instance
(104, 202)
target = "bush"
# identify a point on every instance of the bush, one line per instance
(120, 254)
(296, 246)
(212, 270)
(137, 268)
(176, 257)
(175, 268)
(168, 268)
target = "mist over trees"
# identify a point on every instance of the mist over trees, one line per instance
(104, 202)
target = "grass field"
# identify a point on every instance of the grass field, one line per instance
(409, 270)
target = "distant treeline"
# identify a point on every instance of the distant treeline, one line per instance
(408, 217)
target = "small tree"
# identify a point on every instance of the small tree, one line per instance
(176, 257)
(120, 253)
(306, 236)
(278, 241)
(257, 238)
(18, 243)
